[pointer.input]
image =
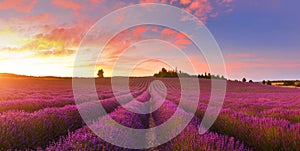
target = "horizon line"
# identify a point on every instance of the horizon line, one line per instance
(5, 74)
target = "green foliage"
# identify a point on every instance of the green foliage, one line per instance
(165, 74)
(211, 76)
(288, 83)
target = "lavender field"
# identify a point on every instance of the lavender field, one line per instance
(41, 114)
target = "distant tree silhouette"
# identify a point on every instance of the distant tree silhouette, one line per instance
(211, 76)
(163, 73)
(244, 80)
(264, 82)
(288, 83)
(100, 73)
(269, 82)
(173, 73)
(250, 81)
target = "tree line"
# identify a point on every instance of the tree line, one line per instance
(163, 73)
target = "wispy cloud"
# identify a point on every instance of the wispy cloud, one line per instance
(239, 55)
(203, 9)
(177, 38)
(18, 5)
(69, 4)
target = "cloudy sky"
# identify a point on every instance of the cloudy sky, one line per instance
(258, 39)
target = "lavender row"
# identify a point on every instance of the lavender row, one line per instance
(284, 114)
(261, 133)
(35, 105)
(260, 105)
(90, 110)
(21, 129)
(85, 139)
(282, 105)
(189, 138)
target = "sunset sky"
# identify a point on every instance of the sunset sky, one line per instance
(259, 39)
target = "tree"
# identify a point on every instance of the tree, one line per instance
(250, 81)
(269, 82)
(100, 73)
(288, 83)
(263, 82)
(163, 73)
(244, 80)
(208, 76)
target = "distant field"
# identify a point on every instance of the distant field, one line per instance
(40, 113)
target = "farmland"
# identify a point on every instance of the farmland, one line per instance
(41, 113)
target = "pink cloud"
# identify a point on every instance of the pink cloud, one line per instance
(182, 42)
(30, 25)
(95, 1)
(39, 18)
(122, 41)
(154, 30)
(240, 55)
(151, 1)
(200, 8)
(185, 2)
(168, 31)
(236, 65)
(57, 40)
(172, 36)
(140, 30)
(67, 4)
(18, 5)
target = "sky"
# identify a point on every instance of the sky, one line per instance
(259, 40)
